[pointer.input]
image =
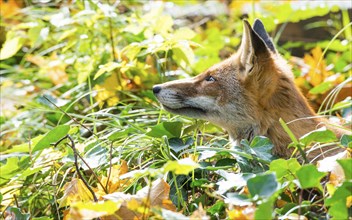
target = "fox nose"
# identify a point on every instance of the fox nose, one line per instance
(156, 89)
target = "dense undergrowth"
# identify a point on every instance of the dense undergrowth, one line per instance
(82, 135)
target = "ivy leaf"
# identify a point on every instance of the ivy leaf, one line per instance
(338, 201)
(346, 165)
(320, 135)
(265, 210)
(264, 185)
(16, 214)
(346, 140)
(309, 176)
(285, 168)
(52, 137)
(237, 199)
(261, 147)
(169, 129)
(177, 144)
(217, 208)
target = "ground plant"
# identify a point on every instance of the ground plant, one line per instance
(83, 137)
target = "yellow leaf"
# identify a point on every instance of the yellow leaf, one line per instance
(75, 191)
(241, 213)
(106, 92)
(137, 80)
(11, 46)
(10, 7)
(349, 202)
(317, 71)
(183, 166)
(115, 184)
(91, 210)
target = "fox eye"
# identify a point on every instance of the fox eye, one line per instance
(210, 79)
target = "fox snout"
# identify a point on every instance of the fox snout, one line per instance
(156, 89)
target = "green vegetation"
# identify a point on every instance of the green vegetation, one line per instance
(79, 123)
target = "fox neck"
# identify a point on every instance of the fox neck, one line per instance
(286, 102)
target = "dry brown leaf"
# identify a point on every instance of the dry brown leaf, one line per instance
(329, 164)
(75, 191)
(114, 183)
(52, 66)
(138, 206)
(199, 214)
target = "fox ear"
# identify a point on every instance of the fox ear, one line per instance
(251, 48)
(258, 27)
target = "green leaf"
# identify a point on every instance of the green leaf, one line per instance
(264, 185)
(321, 88)
(169, 129)
(285, 168)
(320, 135)
(183, 166)
(11, 46)
(1, 197)
(217, 208)
(108, 67)
(120, 134)
(199, 182)
(52, 137)
(177, 144)
(17, 214)
(337, 202)
(8, 170)
(24, 147)
(182, 51)
(183, 33)
(84, 70)
(309, 176)
(346, 140)
(237, 199)
(132, 50)
(261, 146)
(96, 156)
(10, 166)
(346, 165)
(264, 210)
(164, 24)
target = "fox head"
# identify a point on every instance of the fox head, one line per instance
(245, 94)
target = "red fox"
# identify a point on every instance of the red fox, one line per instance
(247, 94)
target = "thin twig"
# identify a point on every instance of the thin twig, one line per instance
(73, 119)
(94, 174)
(300, 203)
(90, 169)
(78, 170)
(16, 201)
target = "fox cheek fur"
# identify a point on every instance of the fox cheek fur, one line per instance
(247, 94)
